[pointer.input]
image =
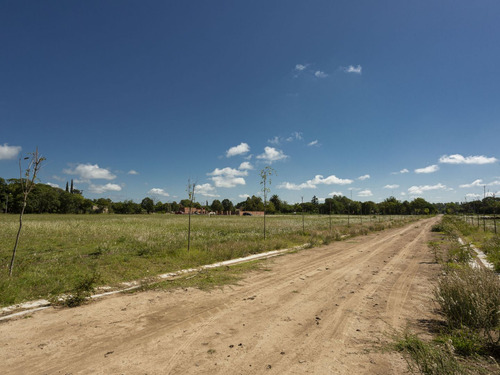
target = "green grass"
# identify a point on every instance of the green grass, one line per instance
(56, 252)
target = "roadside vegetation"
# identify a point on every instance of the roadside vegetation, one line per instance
(468, 299)
(61, 254)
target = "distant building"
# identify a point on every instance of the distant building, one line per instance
(249, 213)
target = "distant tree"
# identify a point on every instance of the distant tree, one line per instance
(216, 206)
(227, 205)
(27, 184)
(276, 202)
(71, 189)
(67, 187)
(148, 205)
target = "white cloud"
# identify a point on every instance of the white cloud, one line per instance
(473, 196)
(313, 143)
(206, 190)
(353, 69)
(158, 191)
(53, 185)
(402, 171)
(391, 186)
(365, 193)
(473, 184)
(317, 180)
(245, 166)
(99, 189)
(459, 159)
(241, 149)
(132, 172)
(417, 190)
(330, 180)
(365, 177)
(271, 154)
(244, 196)
(429, 169)
(336, 193)
(295, 136)
(228, 177)
(320, 74)
(300, 67)
(89, 172)
(9, 152)
(494, 183)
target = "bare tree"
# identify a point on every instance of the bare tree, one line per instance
(190, 189)
(27, 184)
(265, 176)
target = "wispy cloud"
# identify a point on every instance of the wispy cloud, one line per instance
(9, 152)
(133, 172)
(53, 185)
(158, 191)
(417, 190)
(402, 171)
(295, 136)
(391, 186)
(429, 169)
(100, 189)
(317, 180)
(320, 74)
(365, 177)
(352, 69)
(313, 143)
(228, 177)
(244, 196)
(459, 159)
(365, 193)
(275, 140)
(473, 184)
(90, 172)
(241, 149)
(271, 155)
(300, 67)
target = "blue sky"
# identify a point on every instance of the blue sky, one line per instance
(361, 98)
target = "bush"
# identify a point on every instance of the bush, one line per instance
(470, 298)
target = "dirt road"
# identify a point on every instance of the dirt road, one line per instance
(328, 310)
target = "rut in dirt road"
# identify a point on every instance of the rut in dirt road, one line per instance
(327, 310)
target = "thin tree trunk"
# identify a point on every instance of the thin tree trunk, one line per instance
(11, 267)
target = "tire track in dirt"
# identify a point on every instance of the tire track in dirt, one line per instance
(316, 311)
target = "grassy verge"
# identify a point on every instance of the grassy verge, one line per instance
(469, 302)
(57, 252)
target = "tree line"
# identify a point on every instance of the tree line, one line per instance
(47, 199)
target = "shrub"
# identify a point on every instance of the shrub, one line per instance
(470, 298)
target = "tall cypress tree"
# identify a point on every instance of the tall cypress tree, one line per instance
(67, 188)
(71, 191)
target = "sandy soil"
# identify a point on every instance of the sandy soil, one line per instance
(328, 310)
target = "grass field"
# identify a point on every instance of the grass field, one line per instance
(58, 252)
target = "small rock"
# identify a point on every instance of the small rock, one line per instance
(269, 367)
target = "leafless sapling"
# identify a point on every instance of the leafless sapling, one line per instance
(27, 182)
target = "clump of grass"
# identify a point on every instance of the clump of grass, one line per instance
(82, 291)
(470, 298)
(492, 249)
(428, 358)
